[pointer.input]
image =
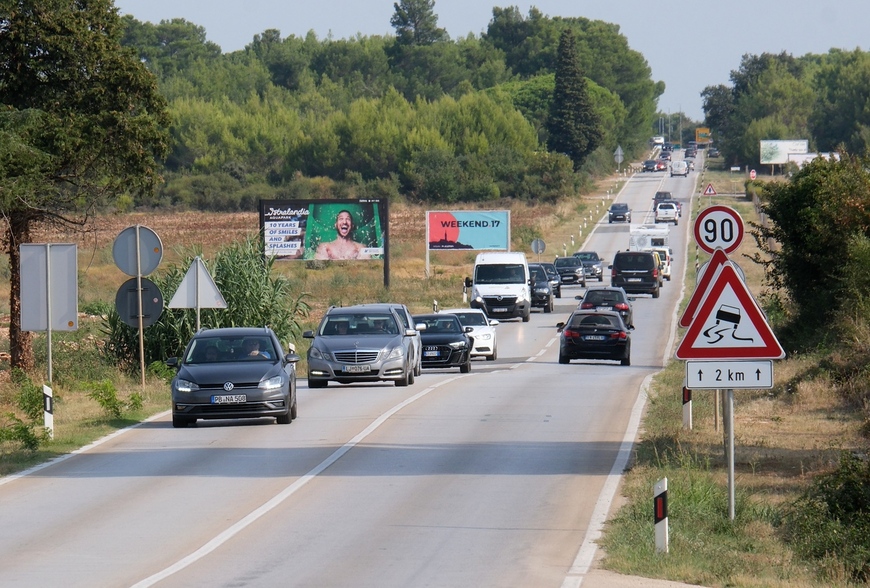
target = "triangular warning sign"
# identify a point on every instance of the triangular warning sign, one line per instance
(197, 289)
(729, 324)
(718, 260)
(709, 190)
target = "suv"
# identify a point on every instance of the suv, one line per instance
(592, 264)
(661, 196)
(364, 343)
(542, 289)
(666, 212)
(619, 211)
(635, 272)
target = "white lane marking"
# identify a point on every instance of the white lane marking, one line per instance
(586, 553)
(275, 501)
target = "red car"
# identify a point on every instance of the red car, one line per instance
(661, 165)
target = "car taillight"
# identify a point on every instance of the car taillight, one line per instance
(621, 306)
(570, 333)
(621, 335)
(612, 274)
(587, 305)
(655, 272)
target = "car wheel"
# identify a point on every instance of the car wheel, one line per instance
(675, 222)
(601, 277)
(294, 411)
(494, 354)
(583, 283)
(283, 419)
(655, 293)
(465, 367)
(313, 383)
(404, 380)
(526, 317)
(180, 422)
(563, 359)
(626, 360)
(548, 308)
(411, 377)
(559, 293)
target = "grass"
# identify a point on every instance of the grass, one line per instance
(784, 436)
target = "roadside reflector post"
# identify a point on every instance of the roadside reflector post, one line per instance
(660, 515)
(687, 408)
(48, 407)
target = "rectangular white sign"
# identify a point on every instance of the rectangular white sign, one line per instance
(778, 151)
(718, 374)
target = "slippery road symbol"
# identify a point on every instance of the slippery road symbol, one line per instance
(725, 314)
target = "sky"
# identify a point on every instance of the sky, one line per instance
(689, 45)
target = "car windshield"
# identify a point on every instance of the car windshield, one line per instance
(227, 349)
(619, 207)
(471, 319)
(595, 321)
(602, 297)
(502, 273)
(586, 256)
(538, 273)
(446, 323)
(359, 324)
(567, 262)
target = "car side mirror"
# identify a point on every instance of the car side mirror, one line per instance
(308, 335)
(172, 362)
(468, 282)
(468, 329)
(578, 297)
(292, 358)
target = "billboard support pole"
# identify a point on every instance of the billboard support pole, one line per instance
(386, 226)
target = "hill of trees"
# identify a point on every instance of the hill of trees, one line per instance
(416, 115)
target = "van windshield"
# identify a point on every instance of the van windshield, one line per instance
(503, 273)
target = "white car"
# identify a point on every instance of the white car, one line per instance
(666, 212)
(485, 342)
(665, 256)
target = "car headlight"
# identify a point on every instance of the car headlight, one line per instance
(542, 290)
(316, 353)
(272, 383)
(524, 295)
(396, 353)
(457, 345)
(186, 385)
(483, 336)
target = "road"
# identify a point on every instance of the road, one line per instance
(493, 478)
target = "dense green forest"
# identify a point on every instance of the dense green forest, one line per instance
(416, 115)
(821, 98)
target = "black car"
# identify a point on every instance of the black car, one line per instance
(595, 334)
(555, 278)
(542, 291)
(446, 343)
(649, 165)
(232, 373)
(636, 272)
(570, 270)
(593, 265)
(660, 196)
(610, 298)
(619, 211)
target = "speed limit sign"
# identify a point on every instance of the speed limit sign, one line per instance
(718, 227)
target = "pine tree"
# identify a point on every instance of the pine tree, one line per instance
(416, 23)
(573, 125)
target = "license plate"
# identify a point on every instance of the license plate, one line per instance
(356, 369)
(431, 354)
(604, 308)
(594, 338)
(499, 309)
(229, 399)
(634, 280)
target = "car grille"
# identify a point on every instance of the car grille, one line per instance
(503, 301)
(357, 356)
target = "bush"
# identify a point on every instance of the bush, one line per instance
(830, 522)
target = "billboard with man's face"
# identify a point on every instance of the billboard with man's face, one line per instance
(323, 229)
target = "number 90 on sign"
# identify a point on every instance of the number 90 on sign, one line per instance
(718, 227)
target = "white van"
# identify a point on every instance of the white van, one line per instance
(679, 168)
(501, 286)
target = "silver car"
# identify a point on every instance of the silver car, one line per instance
(366, 343)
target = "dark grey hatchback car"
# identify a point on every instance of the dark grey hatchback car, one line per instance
(232, 373)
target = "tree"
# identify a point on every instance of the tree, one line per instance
(81, 122)
(416, 23)
(574, 126)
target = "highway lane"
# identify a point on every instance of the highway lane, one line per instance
(488, 478)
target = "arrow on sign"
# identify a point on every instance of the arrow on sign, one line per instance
(729, 324)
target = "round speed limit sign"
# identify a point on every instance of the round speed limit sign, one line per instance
(718, 227)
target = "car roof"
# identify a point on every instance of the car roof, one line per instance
(455, 310)
(234, 332)
(357, 308)
(619, 205)
(435, 316)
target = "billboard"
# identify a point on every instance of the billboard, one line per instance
(323, 229)
(778, 151)
(487, 229)
(702, 135)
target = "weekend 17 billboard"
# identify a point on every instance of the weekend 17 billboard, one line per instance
(488, 229)
(323, 229)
